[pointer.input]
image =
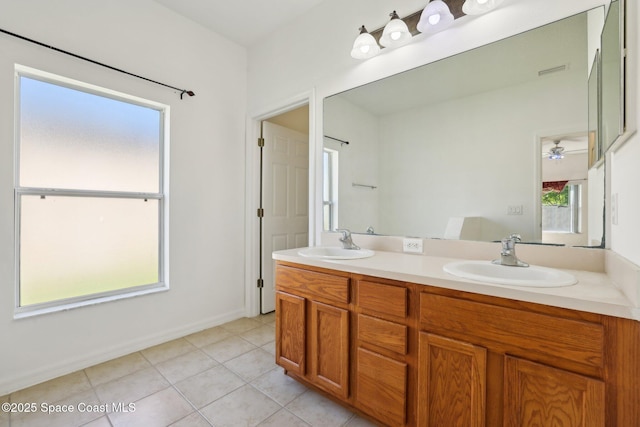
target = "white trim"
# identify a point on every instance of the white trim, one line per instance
(252, 188)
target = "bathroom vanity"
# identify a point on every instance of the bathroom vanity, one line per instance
(405, 344)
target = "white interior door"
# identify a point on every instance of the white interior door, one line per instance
(285, 184)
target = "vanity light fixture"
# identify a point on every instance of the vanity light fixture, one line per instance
(435, 17)
(478, 7)
(365, 45)
(396, 32)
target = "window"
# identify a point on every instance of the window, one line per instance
(330, 189)
(90, 200)
(561, 209)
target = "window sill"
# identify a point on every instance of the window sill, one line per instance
(26, 312)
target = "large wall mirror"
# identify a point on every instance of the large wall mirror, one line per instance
(462, 148)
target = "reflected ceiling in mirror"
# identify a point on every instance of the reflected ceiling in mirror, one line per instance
(452, 149)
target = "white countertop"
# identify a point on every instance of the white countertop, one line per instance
(594, 292)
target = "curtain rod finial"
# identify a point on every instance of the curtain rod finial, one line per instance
(188, 92)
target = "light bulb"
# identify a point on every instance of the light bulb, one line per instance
(395, 33)
(365, 46)
(435, 17)
(482, 1)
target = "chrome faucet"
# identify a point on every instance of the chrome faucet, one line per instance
(508, 254)
(347, 243)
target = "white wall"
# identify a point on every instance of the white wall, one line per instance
(625, 173)
(206, 187)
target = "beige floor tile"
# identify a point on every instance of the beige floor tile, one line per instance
(63, 413)
(283, 418)
(271, 348)
(185, 366)
(269, 318)
(261, 335)
(168, 350)
(210, 385)
(357, 421)
(116, 368)
(252, 364)
(228, 349)
(233, 409)
(278, 386)
(319, 411)
(54, 390)
(208, 336)
(4, 415)
(132, 387)
(241, 325)
(192, 420)
(159, 409)
(100, 422)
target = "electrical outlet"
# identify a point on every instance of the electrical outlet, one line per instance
(614, 209)
(515, 210)
(412, 246)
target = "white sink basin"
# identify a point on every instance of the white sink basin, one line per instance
(534, 276)
(329, 252)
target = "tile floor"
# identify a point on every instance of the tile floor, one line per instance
(223, 376)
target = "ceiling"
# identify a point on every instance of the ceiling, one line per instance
(242, 21)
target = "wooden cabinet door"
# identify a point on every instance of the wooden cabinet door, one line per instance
(329, 358)
(541, 396)
(451, 382)
(290, 332)
(381, 387)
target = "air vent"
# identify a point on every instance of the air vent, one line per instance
(552, 70)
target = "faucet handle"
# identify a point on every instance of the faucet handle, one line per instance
(345, 232)
(515, 237)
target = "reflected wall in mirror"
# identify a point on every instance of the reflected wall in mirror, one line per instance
(612, 120)
(453, 149)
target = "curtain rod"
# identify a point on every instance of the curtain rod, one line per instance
(182, 91)
(336, 139)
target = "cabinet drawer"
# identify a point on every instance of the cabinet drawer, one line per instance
(383, 299)
(382, 333)
(535, 336)
(324, 286)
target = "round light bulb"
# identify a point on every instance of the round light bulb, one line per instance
(482, 1)
(434, 19)
(365, 48)
(395, 35)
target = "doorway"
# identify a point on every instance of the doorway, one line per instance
(284, 193)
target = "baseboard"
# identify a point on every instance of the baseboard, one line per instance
(23, 380)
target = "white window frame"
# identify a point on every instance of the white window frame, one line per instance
(162, 196)
(330, 181)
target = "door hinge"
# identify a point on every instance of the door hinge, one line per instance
(260, 213)
(260, 142)
(260, 283)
